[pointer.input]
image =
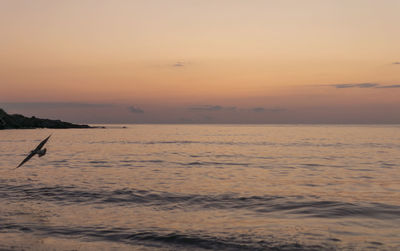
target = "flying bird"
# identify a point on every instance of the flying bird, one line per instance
(38, 150)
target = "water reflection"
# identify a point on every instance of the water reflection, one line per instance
(202, 187)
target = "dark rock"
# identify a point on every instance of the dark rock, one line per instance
(17, 121)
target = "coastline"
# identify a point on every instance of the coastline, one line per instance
(18, 121)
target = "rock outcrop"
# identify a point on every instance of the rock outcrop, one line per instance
(17, 121)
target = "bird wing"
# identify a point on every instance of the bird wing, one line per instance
(42, 144)
(27, 158)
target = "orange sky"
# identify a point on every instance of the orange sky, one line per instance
(168, 56)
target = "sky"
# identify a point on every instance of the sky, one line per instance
(201, 61)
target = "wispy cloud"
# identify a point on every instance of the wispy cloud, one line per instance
(185, 120)
(135, 109)
(230, 108)
(358, 85)
(389, 86)
(258, 109)
(211, 108)
(206, 108)
(179, 64)
(363, 85)
(398, 62)
(262, 109)
(208, 118)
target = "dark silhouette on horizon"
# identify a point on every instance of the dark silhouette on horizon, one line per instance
(17, 121)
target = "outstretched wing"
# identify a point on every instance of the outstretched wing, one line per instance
(37, 149)
(42, 144)
(27, 158)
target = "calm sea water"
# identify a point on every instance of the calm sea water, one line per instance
(196, 187)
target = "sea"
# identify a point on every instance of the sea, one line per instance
(202, 187)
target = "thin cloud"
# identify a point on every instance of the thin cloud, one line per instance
(363, 85)
(206, 108)
(179, 64)
(258, 109)
(208, 118)
(398, 62)
(212, 108)
(135, 109)
(358, 85)
(185, 120)
(262, 109)
(389, 86)
(230, 108)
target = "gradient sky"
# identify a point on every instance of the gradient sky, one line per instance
(201, 61)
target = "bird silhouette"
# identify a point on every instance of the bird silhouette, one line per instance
(38, 150)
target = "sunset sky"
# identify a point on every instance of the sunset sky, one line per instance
(201, 61)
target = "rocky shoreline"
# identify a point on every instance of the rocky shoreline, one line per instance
(17, 121)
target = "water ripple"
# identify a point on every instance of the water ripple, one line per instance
(174, 240)
(167, 201)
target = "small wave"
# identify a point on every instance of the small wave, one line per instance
(312, 165)
(98, 162)
(299, 206)
(207, 163)
(173, 239)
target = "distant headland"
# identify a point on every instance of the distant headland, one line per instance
(17, 121)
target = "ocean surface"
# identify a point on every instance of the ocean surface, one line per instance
(202, 187)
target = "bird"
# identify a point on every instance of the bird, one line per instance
(38, 150)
